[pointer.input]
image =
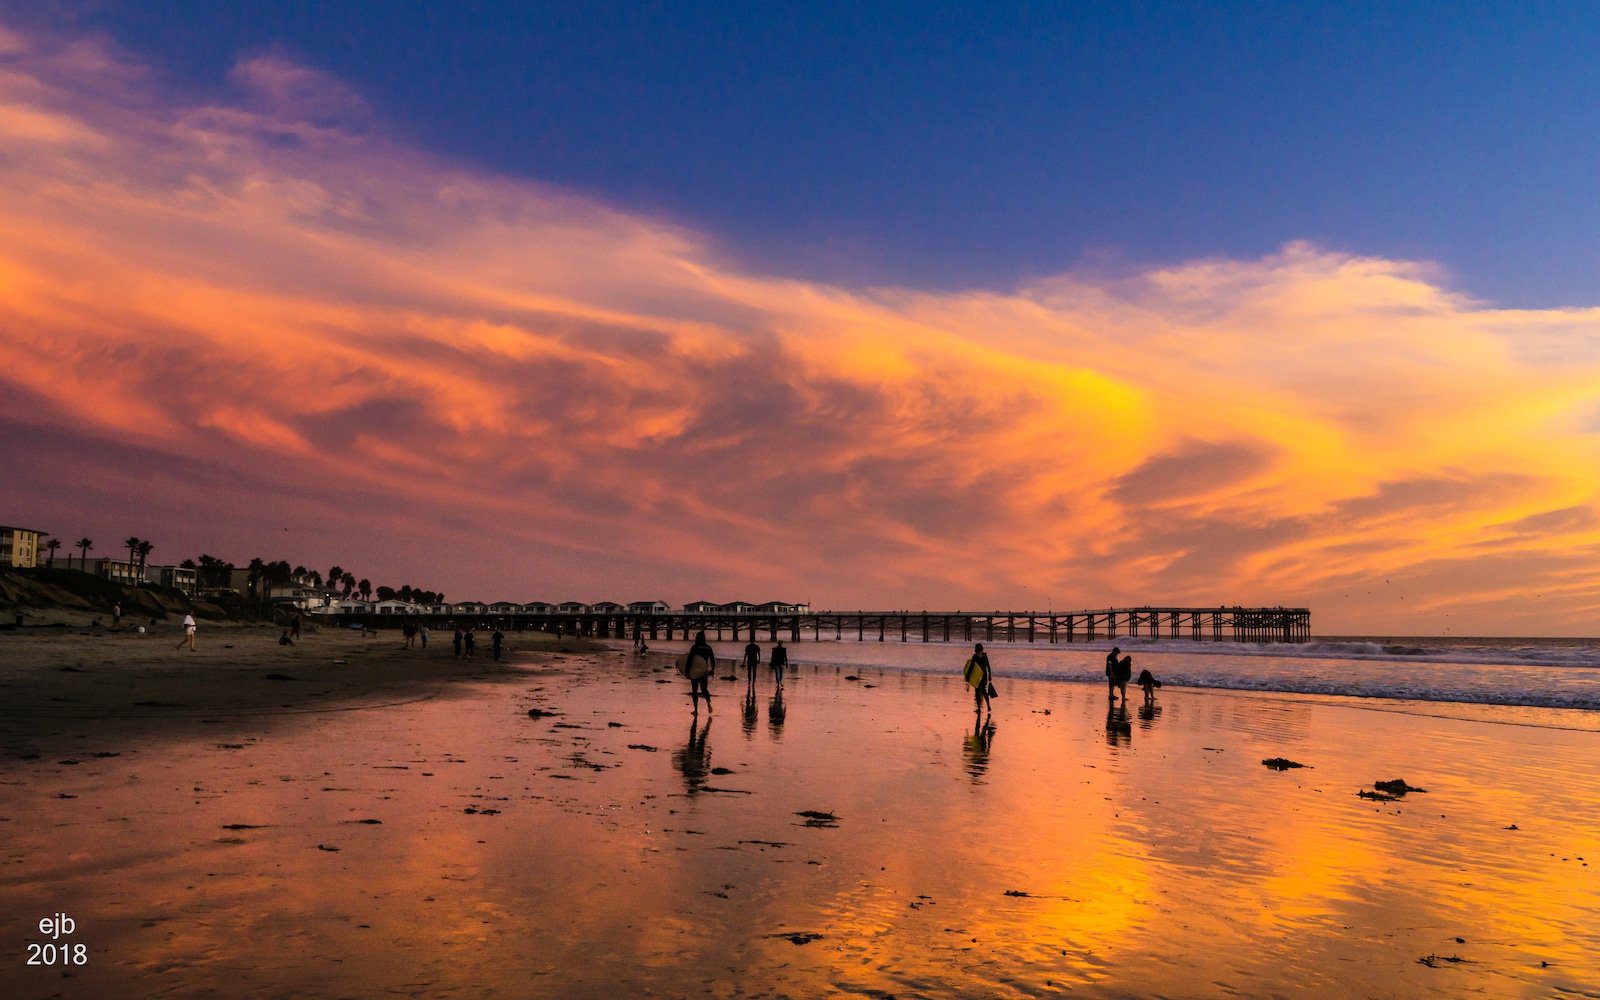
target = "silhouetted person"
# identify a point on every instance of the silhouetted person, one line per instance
(116, 615)
(981, 692)
(470, 641)
(1124, 673)
(294, 627)
(1148, 682)
(422, 635)
(699, 686)
(694, 760)
(752, 659)
(1111, 671)
(780, 662)
(460, 642)
(497, 642)
(284, 640)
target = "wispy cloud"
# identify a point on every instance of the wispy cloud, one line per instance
(271, 311)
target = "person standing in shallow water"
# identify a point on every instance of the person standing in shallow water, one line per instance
(1111, 671)
(980, 694)
(700, 686)
(752, 659)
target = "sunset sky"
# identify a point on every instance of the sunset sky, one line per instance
(953, 308)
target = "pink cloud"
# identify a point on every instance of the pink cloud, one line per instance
(221, 322)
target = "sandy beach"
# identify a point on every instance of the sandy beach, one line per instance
(424, 836)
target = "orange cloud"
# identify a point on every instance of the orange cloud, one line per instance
(270, 311)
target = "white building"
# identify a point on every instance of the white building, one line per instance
(649, 607)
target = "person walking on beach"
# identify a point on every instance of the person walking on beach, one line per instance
(471, 643)
(116, 615)
(460, 641)
(752, 659)
(422, 634)
(188, 633)
(294, 628)
(497, 642)
(981, 691)
(699, 663)
(780, 662)
(1111, 671)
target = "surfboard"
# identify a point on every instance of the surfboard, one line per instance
(694, 671)
(973, 673)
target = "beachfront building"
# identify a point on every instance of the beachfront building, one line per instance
(649, 607)
(19, 547)
(700, 608)
(116, 570)
(469, 608)
(345, 606)
(538, 608)
(396, 607)
(608, 608)
(573, 608)
(505, 608)
(179, 578)
(735, 608)
(783, 608)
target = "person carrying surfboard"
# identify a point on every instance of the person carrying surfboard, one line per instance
(698, 664)
(978, 674)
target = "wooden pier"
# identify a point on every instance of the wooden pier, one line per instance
(1196, 624)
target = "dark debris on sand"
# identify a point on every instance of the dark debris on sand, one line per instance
(798, 938)
(1388, 791)
(1281, 763)
(1432, 961)
(819, 820)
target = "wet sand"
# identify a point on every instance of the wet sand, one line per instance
(863, 838)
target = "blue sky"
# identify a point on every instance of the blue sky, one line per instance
(948, 145)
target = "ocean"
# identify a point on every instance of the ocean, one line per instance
(1535, 681)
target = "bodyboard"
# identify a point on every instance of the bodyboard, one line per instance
(973, 673)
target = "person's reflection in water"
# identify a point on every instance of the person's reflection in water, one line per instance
(1149, 712)
(1118, 729)
(752, 711)
(776, 713)
(976, 749)
(694, 760)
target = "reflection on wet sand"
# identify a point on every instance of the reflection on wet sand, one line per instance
(776, 714)
(1119, 731)
(575, 855)
(693, 760)
(975, 747)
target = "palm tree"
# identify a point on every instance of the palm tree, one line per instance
(335, 574)
(132, 543)
(365, 586)
(84, 545)
(50, 546)
(348, 582)
(143, 550)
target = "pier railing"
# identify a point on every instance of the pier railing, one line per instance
(1221, 624)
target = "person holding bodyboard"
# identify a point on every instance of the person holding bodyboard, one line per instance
(978, 675)
(698, 664)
